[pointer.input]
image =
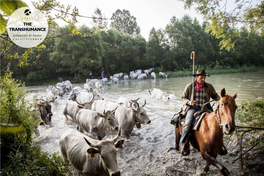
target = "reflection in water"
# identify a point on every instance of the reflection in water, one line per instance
(145, 152)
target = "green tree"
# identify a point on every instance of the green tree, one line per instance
(225, 21)
(77, 54)
(99, 20)
(154, 49)
(125, 23)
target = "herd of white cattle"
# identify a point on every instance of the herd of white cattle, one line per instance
(85, 148)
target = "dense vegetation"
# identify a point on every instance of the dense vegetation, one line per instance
(19, 156)
(166, 50)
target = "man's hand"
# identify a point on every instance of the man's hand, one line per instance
(192, 103)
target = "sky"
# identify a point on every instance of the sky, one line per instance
(148, 13)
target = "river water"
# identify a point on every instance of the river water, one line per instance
(146, 151)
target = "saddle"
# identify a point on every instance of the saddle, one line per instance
(198, 116)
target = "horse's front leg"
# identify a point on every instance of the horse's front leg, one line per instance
(211, 160)
(177, 138)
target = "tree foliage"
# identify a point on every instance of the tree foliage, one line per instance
(224, 22)
(7, 8)
(15, 109)
(125, 23)
(99, 20)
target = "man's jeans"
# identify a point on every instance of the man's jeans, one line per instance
(188, 122)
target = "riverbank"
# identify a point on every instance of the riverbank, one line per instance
(211, 71)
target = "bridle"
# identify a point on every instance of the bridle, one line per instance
(217, 117)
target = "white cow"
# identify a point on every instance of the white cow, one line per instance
(75, 91)
(147, 71)
(90, 156)
(131, 73)
(127, 118)
(89, 86)
(68, 86)
(114, 79)
(134, 76)
(83, 97)
(104, 80)
(72, 108)
(159, 94)
(126, 77)
(153, 75)
(61, 89)
(96, 123)
(92, 80)
(163, 74)
(50, 93)
(99, 85)
(141, 76)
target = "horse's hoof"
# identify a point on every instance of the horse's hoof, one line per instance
(206, 169)
(223, 151)
(225, 172)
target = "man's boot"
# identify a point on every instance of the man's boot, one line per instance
(185, 150)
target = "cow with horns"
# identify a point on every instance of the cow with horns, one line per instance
(90, 156)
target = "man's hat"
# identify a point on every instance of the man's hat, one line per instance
(201, 72)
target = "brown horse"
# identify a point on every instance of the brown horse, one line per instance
(208, 139)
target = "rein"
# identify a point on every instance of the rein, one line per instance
(217, 117)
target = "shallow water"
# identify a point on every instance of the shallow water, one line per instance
(146, 151)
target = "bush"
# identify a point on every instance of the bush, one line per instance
(35, 162)
(18, 155)
(15, 109)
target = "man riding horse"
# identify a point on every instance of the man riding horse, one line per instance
(193, 101)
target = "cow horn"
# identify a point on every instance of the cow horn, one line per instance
(79, 103)
(144, 103)
(89, 143)
(91, 100)
(135, 100)
(117, 136)
(115, 108)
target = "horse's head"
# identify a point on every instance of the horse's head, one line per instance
(227, 109)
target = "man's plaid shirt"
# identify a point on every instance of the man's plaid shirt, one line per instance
(200, 96)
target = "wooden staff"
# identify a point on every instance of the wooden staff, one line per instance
(193, 58)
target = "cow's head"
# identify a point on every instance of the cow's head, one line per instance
(165, 96)
(139, 113)
(107, 151)
(45, 111)
(73, 96)
(110, 119)
(97, 96)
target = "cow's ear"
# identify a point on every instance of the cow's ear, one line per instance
(92, 152)
(100, 115)
(119, 144)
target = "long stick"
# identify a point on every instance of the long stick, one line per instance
(193, 58)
